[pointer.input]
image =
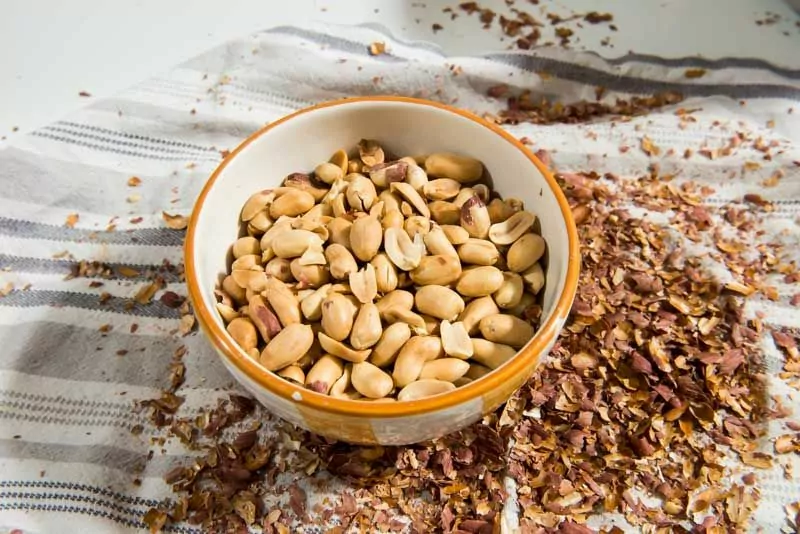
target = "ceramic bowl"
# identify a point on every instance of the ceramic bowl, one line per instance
(405, 126)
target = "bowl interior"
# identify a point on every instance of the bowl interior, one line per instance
(404, 128)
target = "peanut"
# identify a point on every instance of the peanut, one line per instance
(439, 270)
(475, 311)
(455, 234)
(337, 348)
(525, 251)
(338, 315)
(463, 169)
(385, 273)
(365, 237)
(283, 301)
(244, 333)
(287, 347)
(324, 373)
(367, 327)
(478, 252)
(246, 245)
(511, 229)
(291, 203)
(294, 373)
(447, 369)
(510, 293)
(534, 278)
(475, 217)
(392, 339)
(257, 203)
(371, 381)
(490, 354)
(504, 328)
(413, 355)
(439, 301)
(424, 388)
(480, 281)
(455, 340)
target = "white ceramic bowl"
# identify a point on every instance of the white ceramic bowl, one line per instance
(405, 126)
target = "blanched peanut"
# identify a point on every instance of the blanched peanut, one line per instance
(417, 224)
(287, 347)
(259, 224)
(463, 169)
(361, 193)
(280, 268)
(424, 388)
(455, 234)
(329, 172)
(441, 189)
(291, 203)
(283, 301)
(477, 370)
(338, 314)
(367, 327)
(465, 194)
(392, 339)
(416, 177)
(395, 299)
(478, 252)
(249, 262)
(504, 328)
(455, 340)
(444, 212)
(413, 355)
(324, 373)
(534, 278)
(439, 301)
(510, 293)
(447, 369)
(437, 244)
(236, 292)
(525, 251)
(340, 261)
(499, 211)
(227, 313)
(253, 280)
(385, 273)
(243, 332)
(337, 348)
(431, 325)
(439, 270)
(341, 387)
(339, 231)
(312, 276)
(370, 381)
(257, 203)
(417, 323)
(246, 245)
(479, 281)
(513, 228)
(404, 253)
(364, 285)
(475, 218)
(410, 194)
(294, 373)
(475, 311)
(311, 306)
(263, 318)
(490, 354)
(365, 237)
(340, 159)
(392, 219)
(293, 243)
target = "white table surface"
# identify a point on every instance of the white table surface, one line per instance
(54, 49)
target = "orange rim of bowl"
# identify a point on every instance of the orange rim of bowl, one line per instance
(478, 389)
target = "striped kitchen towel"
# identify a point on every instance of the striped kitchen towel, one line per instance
(79, 238)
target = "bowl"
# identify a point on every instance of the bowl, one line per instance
(405, 126)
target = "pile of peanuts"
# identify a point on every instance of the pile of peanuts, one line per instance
(367, 280)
